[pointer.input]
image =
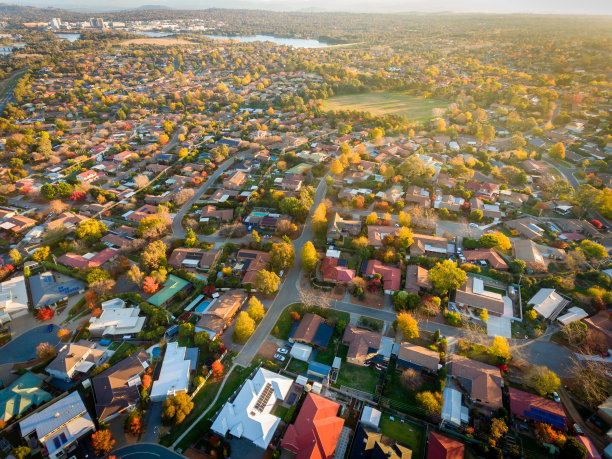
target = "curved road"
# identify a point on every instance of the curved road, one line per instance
(145, 451)
(23, 348)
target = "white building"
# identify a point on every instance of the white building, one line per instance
(174, 374)
(74, 358)
(59, 426)
(116, 321)
(547, 302)
(250, 414)
(13, 299)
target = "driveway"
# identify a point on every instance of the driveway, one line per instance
(23, 348)
(153, 422)
(499, 326)
(146, 450)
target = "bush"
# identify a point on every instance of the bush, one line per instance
(453, 318)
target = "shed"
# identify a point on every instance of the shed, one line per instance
(370, 416)
(301, 352)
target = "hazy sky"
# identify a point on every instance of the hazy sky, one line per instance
(488, 6)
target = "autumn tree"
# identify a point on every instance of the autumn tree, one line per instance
(154, 255)
(90, 230)
(133, 423)
(446, 276)
(497, 430)
(542, 380)
(557, 151)
(309, 257)
(500, 348)
(496, 239)
(256, 309)
(372, 219)
(21, 452)
(149, 285)
(411, 379)
(217, 368)
(593, 250)
(41, 254)
(176, 408)
(15, 257)
(484, 315)
(134, 274)
(404, 219)
(336, 168)
(267, 282)
(45, 351)
(245, 326)
(408, 325)
(191, 239)
(63, 334)
(282, 256)
(429, 401)
(319, 220)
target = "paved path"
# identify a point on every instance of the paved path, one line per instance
(23, 348)
(146, 451)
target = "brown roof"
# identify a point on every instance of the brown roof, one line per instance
(417, 278)
(468, 297)
(419, 355)
(227, 304)
(376, 234)
(111, 389)
(490, 255)
(482, 381)
(71, 353)
(420, 240)
(308, 327)
(359, 341)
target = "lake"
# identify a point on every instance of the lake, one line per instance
(153, 34)
(69, 36)
(295, 42)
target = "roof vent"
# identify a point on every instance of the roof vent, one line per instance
(57, 415)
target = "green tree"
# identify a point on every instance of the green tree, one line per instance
(309, 257)
(90, 230)
(41, 254)
(476, 215)
(152, 227)
(573, 449)
(154, 255)
(48, 191)
(446, 276)
(245, 326)
(542, 380)
(267, 282)
(517, 266)
(282, 256)
(557, 151)
(97, 274)
(593, 249)
(408, 325)
(191, 240)
(429, 401)
(256, 309)
(496, 239)
(200, 338)
(186, 329)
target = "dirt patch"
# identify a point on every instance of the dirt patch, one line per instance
(371, 300)
(267, 350)
(157, 42)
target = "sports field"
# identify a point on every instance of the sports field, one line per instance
(387, 103)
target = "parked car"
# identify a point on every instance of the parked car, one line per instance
(556, 397)
(279, 357)
(578, 429)
(473, 225)
(282, 350)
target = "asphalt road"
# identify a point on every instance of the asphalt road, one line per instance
(145, 451)
(23, 348)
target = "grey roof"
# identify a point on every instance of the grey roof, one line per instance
(45, 290)
(54, 416)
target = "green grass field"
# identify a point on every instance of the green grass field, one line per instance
(408, 433)
(387, 103)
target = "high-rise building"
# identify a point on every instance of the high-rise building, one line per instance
(55, 23)
(97, 23)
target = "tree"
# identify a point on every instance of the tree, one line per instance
(557, 151)
(500, 348)
(404, 219)
(176, 408)
(404, 236)
(542, 380)
(372, 219)
(573, 449)
(191, 240)
(245, 326)
(45, 313)
(102, 286)
(411, 379)
(255, 237)
(90, 230)
(63, 334)
(429, 401)
(134, 274)
(16, 257)
(154, 255)
(183, 196)
(267, 282)
(593, 249)
(141, 181)
(309, 257)
(319, 220)
(484, 315)
(45, 351)
(495, 239)
(96, 274)
(146, 381)
(531, 315)
(21, 452)
(498, 430)
(152, 227)
(336, 167)
(217, 368)
(186, 329)
(256, 309)
(41, 254)
(133, 423)
(48, 191)
(408, 325)
(149, 285)
(282, 256)
(446, 276)
(201, 338)
(476, 215)
(517, 266)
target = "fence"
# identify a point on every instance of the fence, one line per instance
(197, 389)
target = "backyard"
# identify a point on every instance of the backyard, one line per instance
(387, 103)
(405, 432)
(356, 377)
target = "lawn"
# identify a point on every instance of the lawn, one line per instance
(327, 356)
(284, 323)
(357, 377)
(387, 103)
(406, 432)
(297, 366)
(476, 352)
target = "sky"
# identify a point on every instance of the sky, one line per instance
(486, 6)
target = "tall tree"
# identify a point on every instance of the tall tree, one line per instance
(309, 257)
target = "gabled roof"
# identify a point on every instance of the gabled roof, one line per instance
(22, 394)
(316, 431)
(482, 381)
(441, 447)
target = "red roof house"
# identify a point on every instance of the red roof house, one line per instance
(441, 447)
(391, 276)
(316, 430)
(333, 273)
(538, 408)
(592, 452)
(74, 260)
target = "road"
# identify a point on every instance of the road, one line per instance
(7, 97)
(23, 348)
(147, 451)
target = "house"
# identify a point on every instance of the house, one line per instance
(21, 395)
(434, 246)
(48, 289)
(548, 303)
(602, 323)
(376, 234)
(116, 389)
(141, 213)
(220, 311)
(58, 426)
(367, 347)
(449, 202)
(512, 199)
(441, 447)
(172, 287)
(88, 176)
(18, 224)
(528, 406)
(116, 322)
(316, 430)
(292, 182)
(474, 294)
(418, 196)
(418, 358)
(194, 258)
(527, 227)
(335, 270)
(74, 359)
(249, 414)
(251, 262)
(312, 329)
(13, 299)
(340, 227)
(490, 256)
(488, 210)
(482, 382)
(369, 443)
(89, 260)
(235, 181)
(391, 276)
(528, 252)
(222, 195)
(208, 213)
(417, 279)
(67, 220)
(174, 375)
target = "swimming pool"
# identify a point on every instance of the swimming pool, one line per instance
(259, 214)
(202, 307)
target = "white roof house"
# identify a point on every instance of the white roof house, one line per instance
(546, 302)
(573, 314)
(59, 425)
(116, 321)
(115, 303)
(13, 299)
(453, 410)
(249, 416)
(174, 374)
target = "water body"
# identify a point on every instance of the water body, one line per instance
(8, 49)
(71, 37)
(295, 42)
(153, 34)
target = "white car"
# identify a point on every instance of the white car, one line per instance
(279, 357)
(282, 350)
(473, 225)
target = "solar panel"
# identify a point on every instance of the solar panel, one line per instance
(248, 255)
(264, 398)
